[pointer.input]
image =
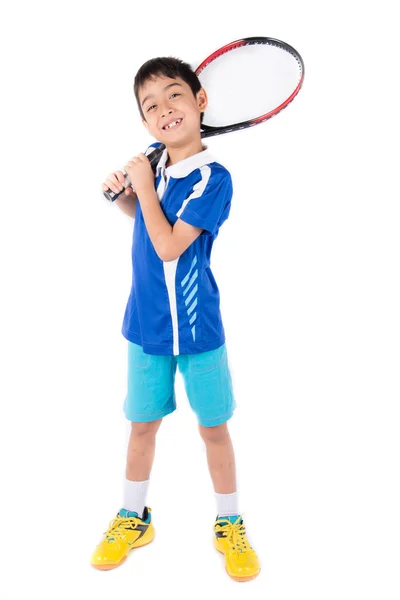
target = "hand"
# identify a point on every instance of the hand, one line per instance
(140, 174)
(116, 183)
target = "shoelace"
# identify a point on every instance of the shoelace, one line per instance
(120, 523)
(236, 534)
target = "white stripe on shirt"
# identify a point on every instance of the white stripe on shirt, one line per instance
(198, 189)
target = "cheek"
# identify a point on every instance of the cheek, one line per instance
(194, 116)
(151, 123)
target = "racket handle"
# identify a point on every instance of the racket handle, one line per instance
(153, 158)
(112, 196)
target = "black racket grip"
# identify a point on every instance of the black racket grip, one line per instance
(153, 158)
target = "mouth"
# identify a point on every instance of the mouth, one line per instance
(172, 125)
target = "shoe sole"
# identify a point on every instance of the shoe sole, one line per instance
(114, 566)
(238, 578)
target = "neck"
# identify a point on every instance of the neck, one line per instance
(177, 154)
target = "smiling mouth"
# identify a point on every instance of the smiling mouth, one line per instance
(173, 125)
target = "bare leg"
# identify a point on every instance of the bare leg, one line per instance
(220, 458)
(141, 450)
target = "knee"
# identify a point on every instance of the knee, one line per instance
(214, 434)
(145, 429)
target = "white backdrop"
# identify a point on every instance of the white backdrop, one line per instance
(310, 302)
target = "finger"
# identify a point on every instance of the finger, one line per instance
(120, 176)
(114, 184)
(117, 180)
(129, 191)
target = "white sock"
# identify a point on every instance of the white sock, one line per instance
(135, 493)
(227, 504)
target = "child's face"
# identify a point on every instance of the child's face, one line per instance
(165, 101)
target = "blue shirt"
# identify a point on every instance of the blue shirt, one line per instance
(174, 307)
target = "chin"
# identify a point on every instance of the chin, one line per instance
(172, 142)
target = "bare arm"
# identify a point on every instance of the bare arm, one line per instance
(169, 242)
(127, 203)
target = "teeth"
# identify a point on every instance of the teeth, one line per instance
(172, 124)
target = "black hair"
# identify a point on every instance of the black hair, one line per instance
(166, 66)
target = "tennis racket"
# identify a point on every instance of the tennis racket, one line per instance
(247, 82)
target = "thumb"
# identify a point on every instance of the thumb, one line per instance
(128, 191)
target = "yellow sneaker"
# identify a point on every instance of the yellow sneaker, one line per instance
(241, 561)
(125, 532)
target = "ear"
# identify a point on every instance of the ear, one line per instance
(202, 99)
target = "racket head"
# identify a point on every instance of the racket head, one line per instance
(249, 81)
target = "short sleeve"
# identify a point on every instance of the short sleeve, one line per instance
(209, 202)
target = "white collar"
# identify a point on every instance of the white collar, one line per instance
(185, 166)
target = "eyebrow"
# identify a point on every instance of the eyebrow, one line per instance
(166, 88)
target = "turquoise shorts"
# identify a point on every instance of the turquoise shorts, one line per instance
(151, 385)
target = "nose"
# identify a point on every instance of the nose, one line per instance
(166, 111)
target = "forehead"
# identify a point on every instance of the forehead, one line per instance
(156, 85)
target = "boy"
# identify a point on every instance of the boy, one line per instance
(172, 315)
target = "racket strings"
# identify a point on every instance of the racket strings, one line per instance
(248, 80)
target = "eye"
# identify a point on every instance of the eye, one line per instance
(175, 94)
(150, 107)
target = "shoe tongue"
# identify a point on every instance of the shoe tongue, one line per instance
(126, 514)
(232, 519)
